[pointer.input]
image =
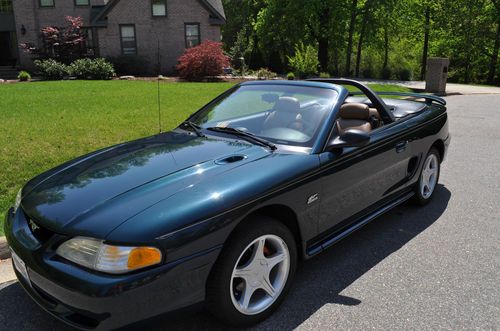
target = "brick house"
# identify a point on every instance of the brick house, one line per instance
(118, 29)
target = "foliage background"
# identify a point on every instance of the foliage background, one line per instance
(363, 38)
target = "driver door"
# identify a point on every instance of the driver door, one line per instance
(356, 178)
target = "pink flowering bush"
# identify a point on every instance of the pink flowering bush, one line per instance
(62, 44)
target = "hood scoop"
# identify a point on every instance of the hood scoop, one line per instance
(231, 159)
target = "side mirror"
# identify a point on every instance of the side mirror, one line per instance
(350, 138)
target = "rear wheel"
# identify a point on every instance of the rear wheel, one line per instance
(429, 177)
(253, 274)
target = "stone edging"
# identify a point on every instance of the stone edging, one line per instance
(4, 249)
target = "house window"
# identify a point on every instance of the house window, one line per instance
(82, 2)
(88, 44)
(6, 6)
(129, 43)
(159, 7)
(192, 34)
(47, 3)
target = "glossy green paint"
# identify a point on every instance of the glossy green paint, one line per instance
(185, 195)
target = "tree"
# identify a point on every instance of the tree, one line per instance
(364, 23)
(352, 28)
(63, 44)
(204, 60)
(386, 35)
(425, 52)
(494, 53)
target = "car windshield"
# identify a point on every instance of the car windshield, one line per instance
(282, 114)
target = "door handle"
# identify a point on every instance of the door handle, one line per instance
(401, 146)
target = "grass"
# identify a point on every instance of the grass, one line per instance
(47, 123)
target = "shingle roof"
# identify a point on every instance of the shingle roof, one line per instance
(215, 7)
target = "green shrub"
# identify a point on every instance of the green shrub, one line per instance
(264, 73)
(92, 69)
(290, 76)
(80, 68)
(405, 74)
(24, 76)
(324, 75)
(386, 73)
(51, 69)
(305, 61)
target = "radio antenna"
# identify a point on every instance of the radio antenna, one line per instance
(158, 79)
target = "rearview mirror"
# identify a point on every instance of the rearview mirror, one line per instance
(350, 138)
(270, 97)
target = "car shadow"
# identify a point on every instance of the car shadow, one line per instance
(318, 282)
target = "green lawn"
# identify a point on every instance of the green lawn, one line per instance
(46, 123)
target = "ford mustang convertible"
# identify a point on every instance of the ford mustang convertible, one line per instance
(222, 209)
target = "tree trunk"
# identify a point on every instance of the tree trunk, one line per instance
(323, 39)
(352, 26)
(386, 46)
(323, 53)
(426, 43)
(336, 69)
(494, 56)
(362, 37)
(360, 47)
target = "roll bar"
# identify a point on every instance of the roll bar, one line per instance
(378, 103)
(429, 99)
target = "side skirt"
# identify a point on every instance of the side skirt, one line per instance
(337, 236)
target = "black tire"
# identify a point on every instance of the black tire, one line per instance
(218, 297)
(420, 198)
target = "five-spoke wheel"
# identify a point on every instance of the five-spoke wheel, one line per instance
(429, 177)
(253, 272)
(260, 274)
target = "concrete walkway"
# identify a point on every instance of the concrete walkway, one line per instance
(451, 88)
(6, 271)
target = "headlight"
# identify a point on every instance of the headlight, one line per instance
(18, 200)
(96, 255)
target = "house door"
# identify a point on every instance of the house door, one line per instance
(7, 58)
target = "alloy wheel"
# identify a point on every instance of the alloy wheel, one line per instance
(260, 275)
(428, 179)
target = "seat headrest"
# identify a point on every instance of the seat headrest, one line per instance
(287, 104)
(355, 111)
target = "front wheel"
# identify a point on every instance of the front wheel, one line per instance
(251, 277)
(429, 177)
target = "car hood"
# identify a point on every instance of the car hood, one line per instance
(68, 199)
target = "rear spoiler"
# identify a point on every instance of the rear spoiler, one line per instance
(415, 96)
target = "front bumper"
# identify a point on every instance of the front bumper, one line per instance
(92, 300)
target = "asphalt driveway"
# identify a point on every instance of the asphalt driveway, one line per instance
(427, 269)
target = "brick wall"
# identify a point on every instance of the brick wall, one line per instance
(168, 30)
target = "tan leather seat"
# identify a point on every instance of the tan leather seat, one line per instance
(374, 113)
(286, 113)
(354, 116)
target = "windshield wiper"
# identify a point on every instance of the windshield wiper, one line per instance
(195, 127)
(247, 135)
